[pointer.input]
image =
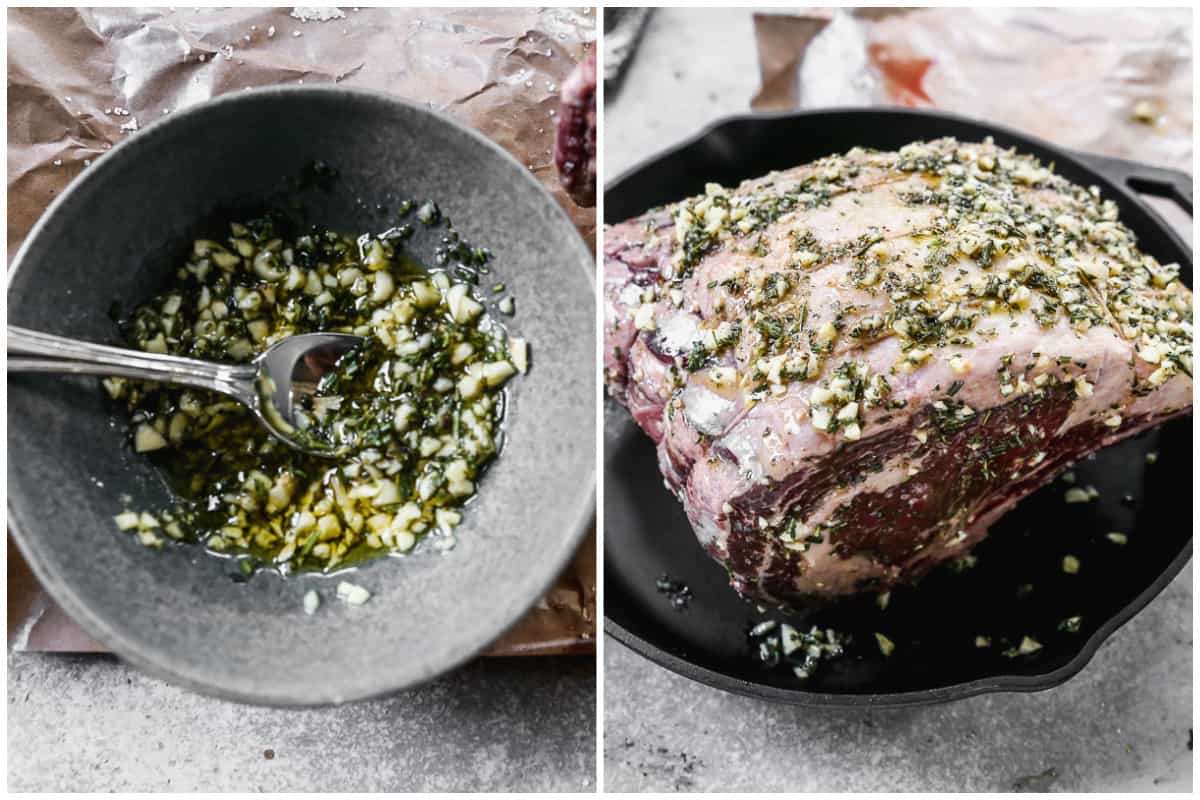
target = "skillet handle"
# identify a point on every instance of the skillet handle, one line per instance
(1154, 181)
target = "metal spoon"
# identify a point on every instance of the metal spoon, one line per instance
(272, 385)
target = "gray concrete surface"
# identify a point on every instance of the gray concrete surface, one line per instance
(91, 723)
(1123, 724)
(693, 66)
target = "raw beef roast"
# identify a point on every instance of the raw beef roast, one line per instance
(852, 368)
(575, 137)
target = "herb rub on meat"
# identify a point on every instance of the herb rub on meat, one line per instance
(852, 368)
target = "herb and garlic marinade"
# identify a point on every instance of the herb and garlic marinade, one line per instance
(414, 412)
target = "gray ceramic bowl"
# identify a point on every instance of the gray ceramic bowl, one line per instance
(117, 234)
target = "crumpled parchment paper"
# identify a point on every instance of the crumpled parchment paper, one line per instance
(1071, 76)
(80, 80)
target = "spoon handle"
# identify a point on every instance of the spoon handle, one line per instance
(60, 354)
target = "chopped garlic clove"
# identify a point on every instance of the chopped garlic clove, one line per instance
(312, 601)
(147, 439)
(518, 349)
(352, 594)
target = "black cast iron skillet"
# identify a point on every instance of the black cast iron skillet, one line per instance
(1017, 588)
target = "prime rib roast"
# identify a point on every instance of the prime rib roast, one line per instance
(575, 136)
(852, 368)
